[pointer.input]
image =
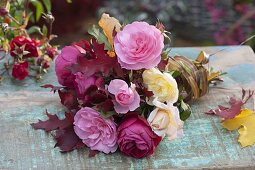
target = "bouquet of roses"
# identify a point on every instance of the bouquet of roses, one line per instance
(122, 90)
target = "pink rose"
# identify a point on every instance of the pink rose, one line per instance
(68, 56)
(126, 99)
(96, 132)
(82, 83)
(139, 46)
(135, 137)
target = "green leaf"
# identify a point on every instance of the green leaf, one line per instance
(107, 114)
(100, 37)
(39, 9)
(185, 111)
(175, 73)
(47, 4)
(184, 115)
(165, 53)
(45, 30)
(34, 29)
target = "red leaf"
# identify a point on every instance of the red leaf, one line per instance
(54, 122)
(68, 98)
(65, 136)
(53, 88)
(147, 93)
(101, 63)
(235, 106)
(228, 113)
(92, 153)
(67, 140)
(106, 106)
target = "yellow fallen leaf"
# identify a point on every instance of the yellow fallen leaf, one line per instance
(245, 122)
(108, 24)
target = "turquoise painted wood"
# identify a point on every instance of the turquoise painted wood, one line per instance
(205, 144)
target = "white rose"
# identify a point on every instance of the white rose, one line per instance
(165, 120)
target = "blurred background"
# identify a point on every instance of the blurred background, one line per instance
(191, 22)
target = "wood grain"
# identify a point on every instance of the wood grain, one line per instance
(205, 144)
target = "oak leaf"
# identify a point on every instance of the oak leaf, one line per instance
(53, 122)
(235, 106)
(66, 138)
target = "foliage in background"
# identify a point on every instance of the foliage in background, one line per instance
(149, 10)
(238, 31)
(23, 38)
(223, 22)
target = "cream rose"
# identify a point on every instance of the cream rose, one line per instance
(165, 120)
(163, 85)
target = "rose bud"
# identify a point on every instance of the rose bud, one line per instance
(20, 70)
(23, 46)
(39, 61)
(46, 64)
(3, 12)
(52, 52)
(135, 136)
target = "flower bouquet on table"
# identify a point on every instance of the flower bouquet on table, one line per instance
(25, 48)
(123, 91)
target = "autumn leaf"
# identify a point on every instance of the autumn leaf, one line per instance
(53, 122)
(93, 153)
(66, 138)
(235, 106)
(245, 123)
(68, 98)
(109, 24)
(53, 88)
(101, 63)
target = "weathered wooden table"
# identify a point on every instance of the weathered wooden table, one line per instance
(205, 144)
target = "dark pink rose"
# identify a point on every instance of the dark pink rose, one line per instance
(95, 131)
(67, 57)
(24, 46)
(20, 70)
(82, 83)
(135, 136)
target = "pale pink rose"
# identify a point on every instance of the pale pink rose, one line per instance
(126, 99)
(139, 46)
(95, 131)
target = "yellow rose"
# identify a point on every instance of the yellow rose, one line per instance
(165, 120)
(163, 85)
